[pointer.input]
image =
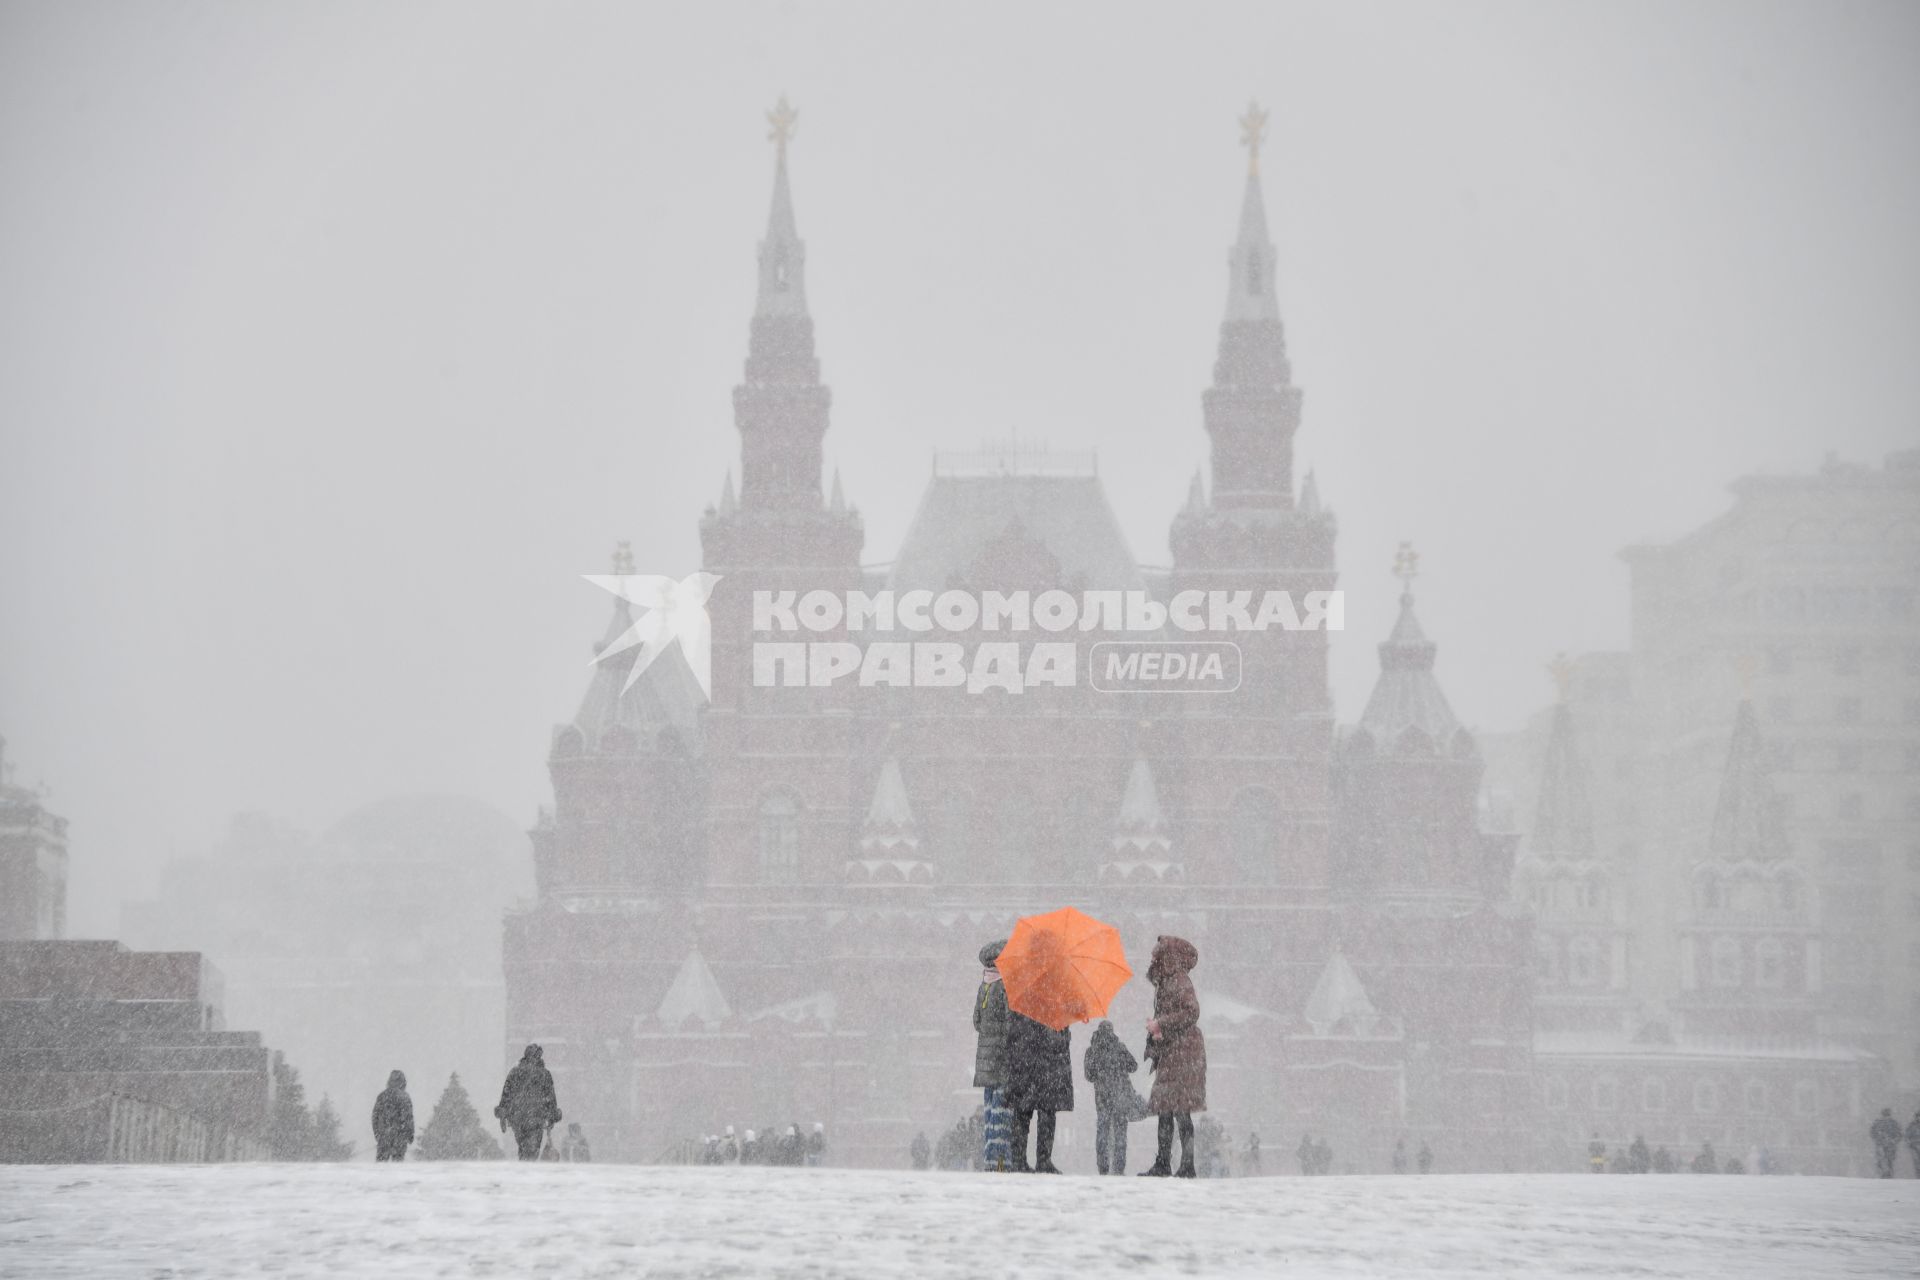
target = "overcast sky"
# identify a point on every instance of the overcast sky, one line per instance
(337, 341)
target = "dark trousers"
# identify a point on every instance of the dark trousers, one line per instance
(1110, 1140)
(529, 1141)
(389, 1149)
(1884, 1157)
(1184, 1121)
(1043, 1144)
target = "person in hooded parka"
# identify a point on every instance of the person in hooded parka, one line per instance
(393, 1119)
(528, 1104)
(1176, 1051)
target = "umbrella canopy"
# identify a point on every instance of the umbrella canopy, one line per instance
(1062, 967)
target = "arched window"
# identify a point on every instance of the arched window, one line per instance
(1653, 1094)
(1711, 896)
(1606, 1094)
(1254, 823)
(1769, 964)
(1546, 955)
(1726, 962)
(1789, 893)
(1583, 962)
(1706, 1096)
(780, 838)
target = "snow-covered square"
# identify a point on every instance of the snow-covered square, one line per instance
(483, 1219)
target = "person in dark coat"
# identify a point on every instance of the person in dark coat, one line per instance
(990, 1061)
(1425, 1158)
(1177, 1052)
(1639, 1159)
(1039, 1083)
(1706, 1162)
(1109, 1067)
(393, 1119)
(919, 1152)
(1886, 1141)
(1399, 1155)
(527, 1103)
(1913, 1142)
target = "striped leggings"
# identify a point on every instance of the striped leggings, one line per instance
(999, 1131)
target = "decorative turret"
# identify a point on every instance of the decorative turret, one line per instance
(889, 838)
(1406, 782)
(1747, 820)
(1142, 849)
(1563, 819)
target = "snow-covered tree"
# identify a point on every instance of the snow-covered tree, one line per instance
(325, 1142)
(291, 1134)
(454, 1131)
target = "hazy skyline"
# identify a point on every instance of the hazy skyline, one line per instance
(337, 342)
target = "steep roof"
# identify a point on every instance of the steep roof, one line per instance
(666, 694)
(889, 826)
(695, 994)
(1406, 696)
(970, 525)
(1340, 997)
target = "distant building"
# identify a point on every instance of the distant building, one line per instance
(1723, 834)
(765, 910)
(372, 947)
(33, 862)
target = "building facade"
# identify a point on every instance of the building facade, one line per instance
(33, 862)
(764, 907)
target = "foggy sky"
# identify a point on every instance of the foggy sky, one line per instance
(337, 341)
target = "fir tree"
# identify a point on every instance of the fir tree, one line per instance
(326, 1143)
(454, 1131)
(290, 1136)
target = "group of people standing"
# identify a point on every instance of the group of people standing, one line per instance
(1025, 1070)
(1886, 1135)
(790, 1148)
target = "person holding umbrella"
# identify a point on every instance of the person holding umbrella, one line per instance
(1039, 1083)
(1060, 968)
(1176, 1052)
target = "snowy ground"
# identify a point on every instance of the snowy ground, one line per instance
(511, 1220)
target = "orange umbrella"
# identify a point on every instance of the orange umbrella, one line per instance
(1062, 967)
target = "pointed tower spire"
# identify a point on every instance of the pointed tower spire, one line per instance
(1196, 495)
(1746, 822)
(1563, 822)
(1253, 408)
(838, 502)
(1250, 262)
(783, 257)
(1141, 829)
(728, 503)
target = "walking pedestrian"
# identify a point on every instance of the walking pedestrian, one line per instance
(393, 1119)
(528, 1104)
(918, 1152)
(1304, 1154)
(1109, 1067)
(1425, 1158)
(1913, 1142)
(990, 1060)
(1177, 1050)
(1886, 1141)
(1596, 1155)
(1400, 1155)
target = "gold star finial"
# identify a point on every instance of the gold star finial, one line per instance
(1561, 669)
(623, 559)
(1406, 565)
(782, 122)
(1253, 131)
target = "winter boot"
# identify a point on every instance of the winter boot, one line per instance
(1186, 1165)
(1163, 1162)
(1043, 1144)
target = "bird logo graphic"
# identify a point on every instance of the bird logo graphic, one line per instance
(668, 609)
